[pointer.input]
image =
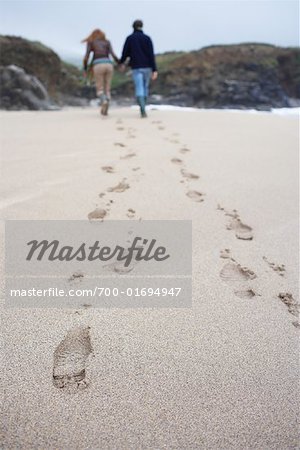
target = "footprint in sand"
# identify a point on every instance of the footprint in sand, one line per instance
(108, 169)
(278, 268)
(190, 176)
(176, 161)
(161, 128)
(130, 155)
(135, 169)
(242, 231)
(130, 213)
(248, 293)
(291, 304)
(70, 357)
(118, 267)
(119, 144)
(233, 272)
(121, 269)
(97, 214)
(120, 128)
(130, 133)
(184, 150)
(76, 276)
(195, 196)
(121, 187)
(226, 254)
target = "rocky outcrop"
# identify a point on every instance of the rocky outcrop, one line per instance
(35, 58)
(257, 76)
(63, 82)
(234, 76)
(18, 90)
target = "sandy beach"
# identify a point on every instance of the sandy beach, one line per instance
(220, 375)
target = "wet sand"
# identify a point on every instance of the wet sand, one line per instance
(220, 375)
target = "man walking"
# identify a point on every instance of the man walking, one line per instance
(139, 48)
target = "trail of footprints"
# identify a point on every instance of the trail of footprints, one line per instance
(72, 354)
(100, 213)
(278, 268)
(187, 176)
(232, 272)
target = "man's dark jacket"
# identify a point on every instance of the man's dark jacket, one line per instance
(139, 48)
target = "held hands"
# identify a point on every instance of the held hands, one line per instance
(121, 67)
(154, 76)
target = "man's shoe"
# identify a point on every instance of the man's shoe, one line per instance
(141, 103)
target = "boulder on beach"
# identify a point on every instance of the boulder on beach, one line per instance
(62, 81)
(19, 90)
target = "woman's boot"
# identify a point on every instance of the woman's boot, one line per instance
(104, 105)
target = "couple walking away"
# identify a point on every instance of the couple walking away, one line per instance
(138, 48)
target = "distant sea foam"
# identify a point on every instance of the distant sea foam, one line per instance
(278, 111)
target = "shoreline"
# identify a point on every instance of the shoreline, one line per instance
(290, 111)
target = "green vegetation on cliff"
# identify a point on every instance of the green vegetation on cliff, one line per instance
(201, 74)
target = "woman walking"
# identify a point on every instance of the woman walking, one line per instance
(102, 65)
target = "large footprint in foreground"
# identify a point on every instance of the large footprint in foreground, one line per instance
(70, 359)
